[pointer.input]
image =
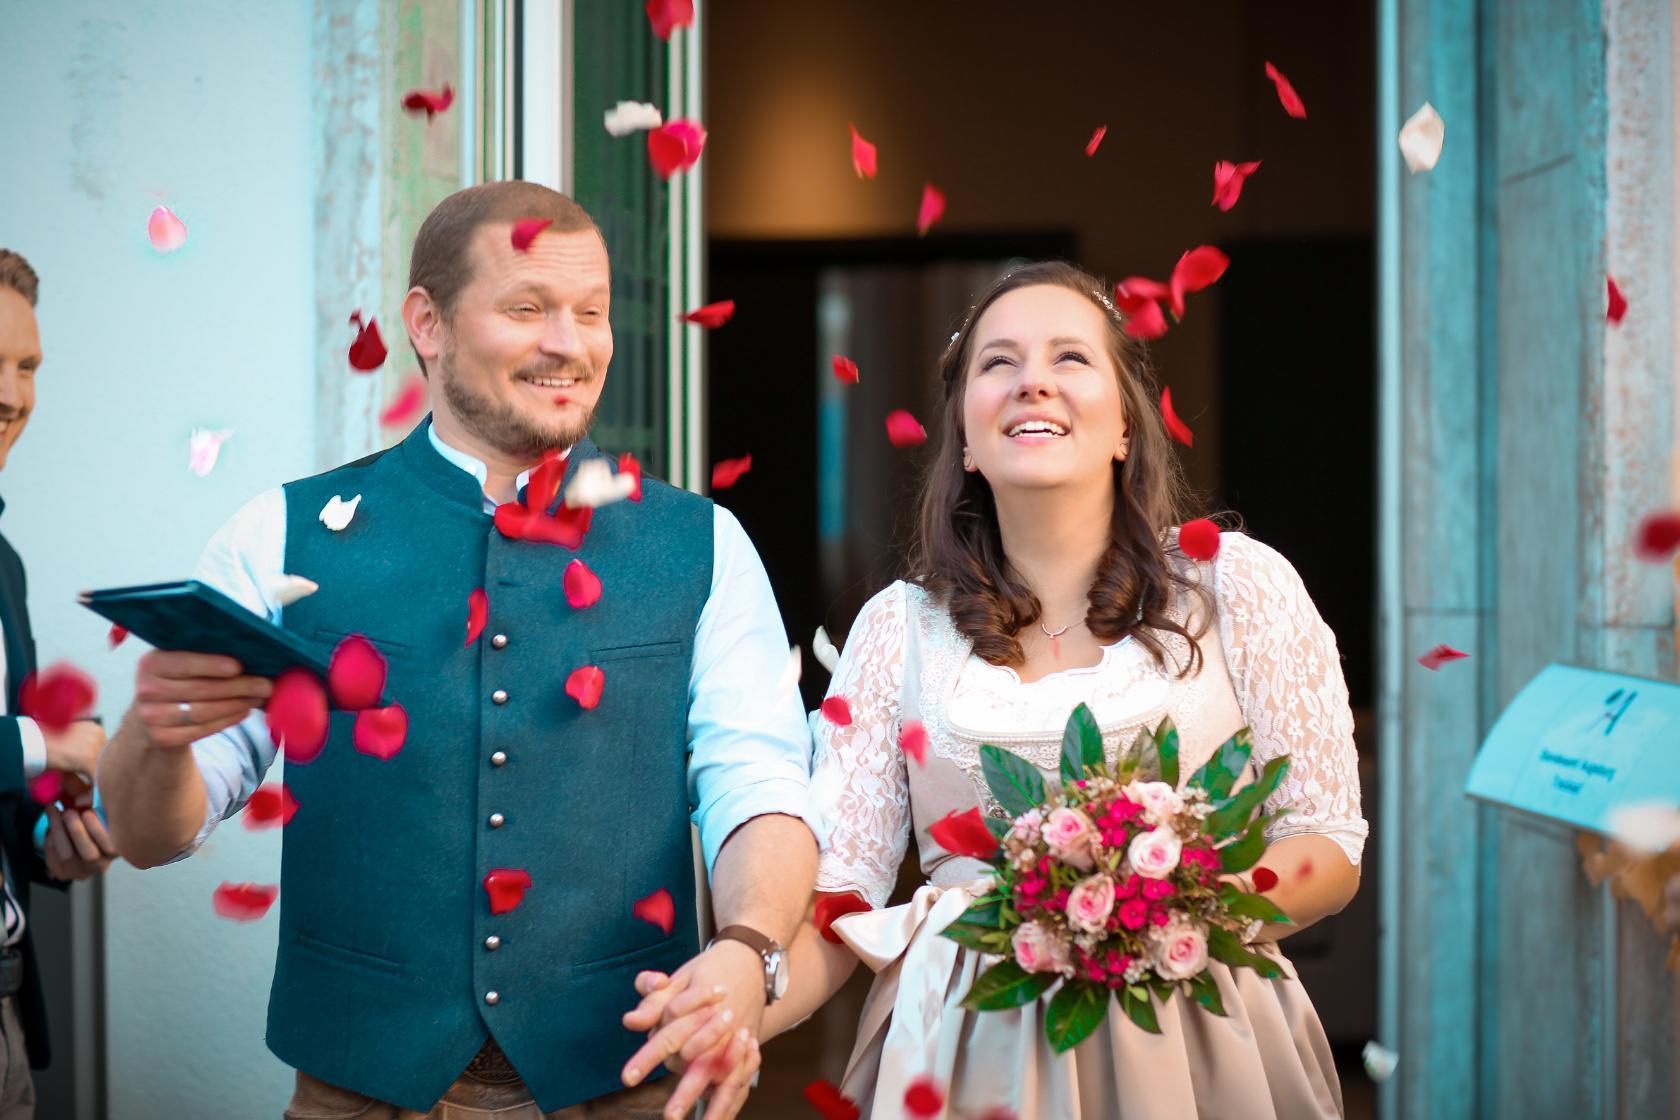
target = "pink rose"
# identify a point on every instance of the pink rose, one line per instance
(1154, 854)
(1090, 903)
(1072, 838)
(1038, 948)
(1161, 803)
(1179, 950)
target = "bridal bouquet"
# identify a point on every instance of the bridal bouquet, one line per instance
(1110, 883)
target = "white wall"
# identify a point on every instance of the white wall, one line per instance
(112, 106)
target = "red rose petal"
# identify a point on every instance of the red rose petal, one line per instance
(627, 462)
(543, 484)
(244, 902)
(1095, 141)
(297, 715)
(712, 316)
(407, 404)
(1439, 656)
(912, 740)
(1195, 270)
(585, 685)
(845, 370)
(830, 1102)
(525, 231)
(668, 15)
(46, 786)
(924, 1098)
(381, 732)
(166, 232)
(728, 472)
(832, 906)
(657, 909)
(863, 155)
(904, 430)
(367, 352)
(270, 806)
(837, 711)
(57, 696)
(1175, 427)
(506, 887)
(427, 101)
(964, 834)
(356, 674)
(117, 636)
(1264, 879)
(1228, 180)
(582, 586)
(1658, 537)
(1199, 539)
(566, 528)
(931, 210)
(675, 146)
(478, 613)
(1618, 302)
(1144, 318)
(1291, 101)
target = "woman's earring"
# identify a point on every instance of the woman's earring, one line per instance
(1123, 450)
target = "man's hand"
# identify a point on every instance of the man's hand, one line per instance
(75, 750)
(179, 698)
(77, 845)
(695, 1018)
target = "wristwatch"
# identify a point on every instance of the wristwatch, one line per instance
(774, 956)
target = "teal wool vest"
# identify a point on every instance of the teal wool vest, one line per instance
(389, 953)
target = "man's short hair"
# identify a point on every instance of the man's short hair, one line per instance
(16, 274)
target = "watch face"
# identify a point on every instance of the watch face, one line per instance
(779, 976)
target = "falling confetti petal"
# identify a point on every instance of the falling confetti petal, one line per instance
(356, 674)
(271, 806)
(657, 909)
(166, 232)
(789, 680)
(828, 654)
(627, 465)
(1648, 826)
(1144, 318)
(381, 732)
(244, 902)
(1618, 306)
(406, 405)
(931, 210)
(1658, 537)
(1195, 270)
(729, 471)
(582, 586)
(1439, 656)
(542, 485)
(1228, 180)
(912, 740)
(964, 834)
(585, 686)
(336, 514)
(367, 352)
(1095, 141)
(830, 1102)
(675, 146)
(297, 715)
(668, 15)
(924, 1098)
(117, 636)
(1264, 879)
(831, 907)
(1199, 539)
(632, 116)
(837, 711)
(284, 590)
(57, 696)
(904, 430)
(429, 102)
(45, 787)
(566, 528)
(845, 370)
(1379, 1062)
(1175, 427)
(711, 316)
(506, 887)
(204, 448)
(1291, 101)
(478, 613)
(1421, 138)
(595, 485)
(525, 231)
(863, 155)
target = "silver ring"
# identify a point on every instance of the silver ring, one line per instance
(186, 713)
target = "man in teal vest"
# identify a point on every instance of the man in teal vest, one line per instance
(462, 922)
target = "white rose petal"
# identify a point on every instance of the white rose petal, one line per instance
(595, 485)
(1421, 138)
(789, 679)
(204, 447)
(1649, 826)
(828, 654)
(1380, 1062)
(632, 116)
(283, 591)
(336, 514)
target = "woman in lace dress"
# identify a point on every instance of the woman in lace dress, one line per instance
(1048, 574)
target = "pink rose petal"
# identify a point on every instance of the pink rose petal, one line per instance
(582, 586)
(585, 686)
(1095, 141)
(244, 902)
(904, 430)
(525, 231)
(863, 155)
(409, 402)
(381, 732)
(931, 210)
(166, 232)
(1439, 656)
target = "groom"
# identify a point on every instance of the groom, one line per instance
(414, 976)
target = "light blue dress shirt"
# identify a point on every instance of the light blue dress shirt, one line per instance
(749, 747)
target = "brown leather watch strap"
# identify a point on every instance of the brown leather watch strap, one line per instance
(750, 937)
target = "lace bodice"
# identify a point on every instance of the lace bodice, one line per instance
(1269, 662)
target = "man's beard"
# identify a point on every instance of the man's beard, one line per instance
(505, 427)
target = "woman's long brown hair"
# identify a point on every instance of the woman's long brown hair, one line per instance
(957, 553)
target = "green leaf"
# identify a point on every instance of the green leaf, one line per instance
(998, 828)
(982, 938)
(1248, 905)
(983, 913)
(1074, 1013)
(1081, 744)
(1005, 985)
(1224, 947)
(1244, 853)
(1015, 782)
(1234, 814)
(1220, 772)
(1206, 993)
(1166, 749)
(1139, 1008)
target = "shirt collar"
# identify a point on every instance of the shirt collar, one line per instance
(474, 465)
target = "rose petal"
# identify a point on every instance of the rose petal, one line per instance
(585, 686)
(1195, 270)
(964, 834)
(380, 732)
(912, 740)
(1421, 138)
(1658, 537)
(166, 232)
(1095, 141)
(367, 352)
(627, 465)
(297, 715)
(837, 711)
(830, 1102)
(827, 653)
(244, 902)
(1379, 1062)
(728, 472)
(632, 116)
(336, 514)
(863, 154)
(1144, 318)
(57, 696)
(1228, 180)
(1618, 305)
(542, 486)
(45, 787)
(204, 448)
(1287, 97)
(506, 887)
(923, 1098)
(1175, 427)
(657, 909)
(582, 586)
(283, 590)
(595, 485)
(525, 231)
(833, 906)
(116, 636)
(711, 316)
(845, 370)
(270, 806)
(478, 613)
(931, 210)
(1439, 656)
(1199, 539)
(566, 528)
(356, 674)
(675, 146)
(904, 430)
(427, 101)
(668, 15)
(409, 402)
(1264, 879)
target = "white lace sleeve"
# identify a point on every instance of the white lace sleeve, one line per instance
(1288, 679)
(861, 785)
